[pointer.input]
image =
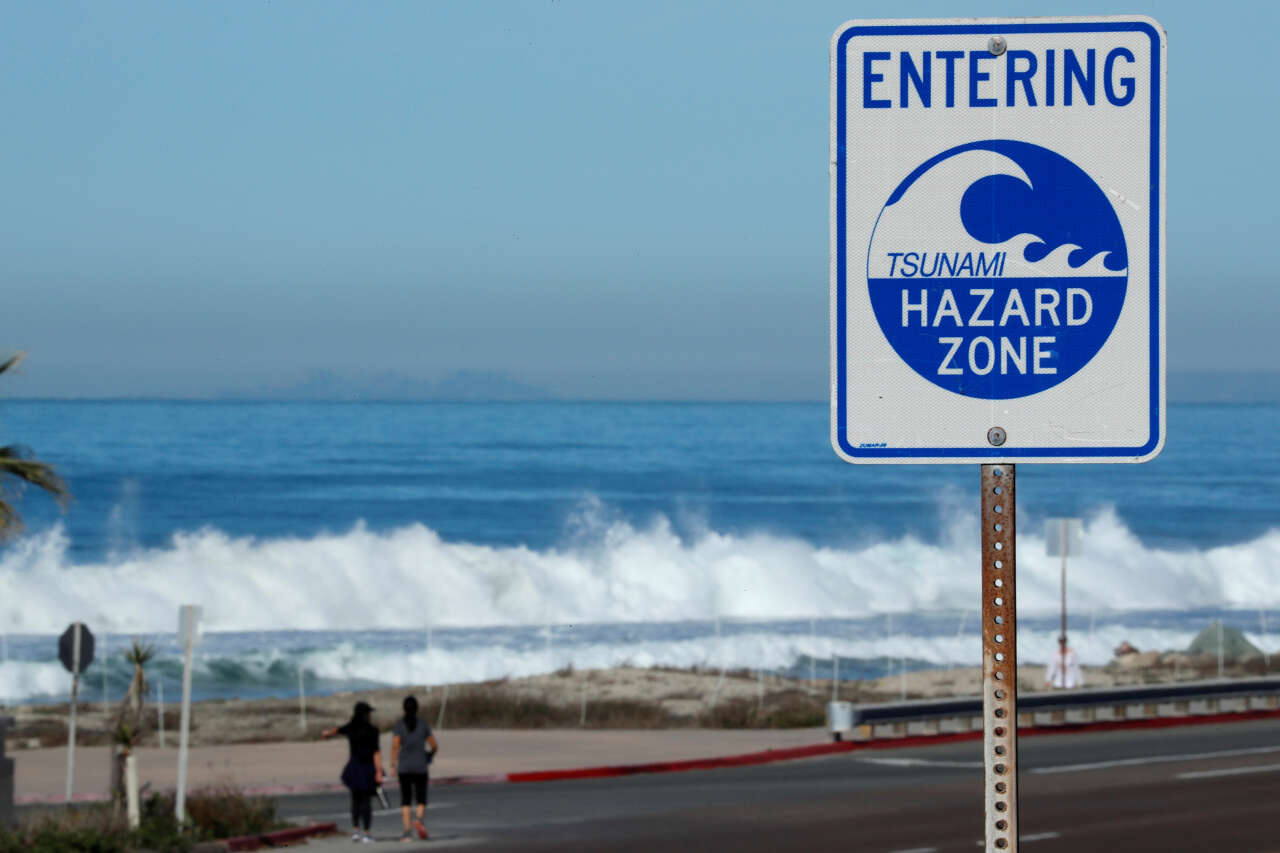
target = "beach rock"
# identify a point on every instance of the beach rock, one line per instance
(1137, 660)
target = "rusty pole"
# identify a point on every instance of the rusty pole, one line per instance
(999, 661)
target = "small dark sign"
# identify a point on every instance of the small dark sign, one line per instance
(66, 647)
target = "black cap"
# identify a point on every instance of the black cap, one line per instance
(363, 707)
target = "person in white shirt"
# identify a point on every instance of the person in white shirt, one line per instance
(1064, 668)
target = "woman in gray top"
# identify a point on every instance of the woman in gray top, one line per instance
(412, 748)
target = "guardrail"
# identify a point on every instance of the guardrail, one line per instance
(1188, 698)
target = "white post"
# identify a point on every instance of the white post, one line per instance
(106, 666)
(813, 653)
(760, 690)
(835, 677)
(1266, 656)
(184, 730)
(582, 718)
(888, 634)
(131, 790)
(160, 710)
(443, 702)
(75, 692)
(302, 702)
(551, 666)
(719, 647)
(1062, 545)
(1220, 648)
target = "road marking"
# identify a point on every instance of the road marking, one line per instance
(919, 762)
(1229, 771)
(1154, 759)
(1035, 836)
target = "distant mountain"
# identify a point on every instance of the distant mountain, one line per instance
(460, 386)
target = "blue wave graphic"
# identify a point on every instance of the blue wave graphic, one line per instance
(1061, 206)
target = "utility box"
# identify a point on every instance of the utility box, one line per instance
(839, 718)
(7, 817)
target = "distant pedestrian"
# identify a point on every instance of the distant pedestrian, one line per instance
(363, 771)
(412, 748)
(1064, 667)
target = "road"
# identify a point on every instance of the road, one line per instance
(1193, 788)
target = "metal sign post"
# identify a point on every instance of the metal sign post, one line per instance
(75, 692)
(188, 629)
(75, 650)
(998, 273)
(999, 658)
(1063, 537)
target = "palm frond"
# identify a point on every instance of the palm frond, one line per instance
(16, 461)
(18, 466)
(139, 654)
(12, 361)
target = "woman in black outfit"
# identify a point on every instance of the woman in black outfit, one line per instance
(363, 771)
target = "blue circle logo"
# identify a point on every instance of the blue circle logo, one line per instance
(1012, 283)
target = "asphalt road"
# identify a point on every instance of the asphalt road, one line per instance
(1193, 788)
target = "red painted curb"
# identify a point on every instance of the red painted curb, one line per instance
(766, 757)
(278, 838)
(795, 753)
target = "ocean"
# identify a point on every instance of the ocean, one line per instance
(357, 544)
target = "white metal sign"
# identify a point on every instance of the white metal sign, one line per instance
(997, 240)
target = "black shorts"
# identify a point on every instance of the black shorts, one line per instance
(413, 785)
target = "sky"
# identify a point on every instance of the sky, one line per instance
(598, 199)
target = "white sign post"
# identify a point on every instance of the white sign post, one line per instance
(75, 650)
(997, 274)
(1063, 536)
(189, 632)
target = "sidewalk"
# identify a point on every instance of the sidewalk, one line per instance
(40, 774)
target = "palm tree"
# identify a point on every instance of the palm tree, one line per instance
(128, 725)
(130, 713)
(17, 469)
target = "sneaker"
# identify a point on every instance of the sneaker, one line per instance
(422, 830)
(355, 837)
(406, 836)
(366, 839)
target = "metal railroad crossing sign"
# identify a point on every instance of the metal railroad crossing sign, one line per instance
(997, 270)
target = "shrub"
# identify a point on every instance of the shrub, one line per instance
(212, 813)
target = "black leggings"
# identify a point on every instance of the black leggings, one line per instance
(361, 809)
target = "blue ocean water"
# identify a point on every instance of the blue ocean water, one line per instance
(415, 543)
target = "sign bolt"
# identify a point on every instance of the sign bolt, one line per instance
(997, 46)
(996, 436)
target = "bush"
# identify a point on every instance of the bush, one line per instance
(212, 813)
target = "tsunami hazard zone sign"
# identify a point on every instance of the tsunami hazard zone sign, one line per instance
(997, 232)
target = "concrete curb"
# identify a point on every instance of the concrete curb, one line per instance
(278, 838)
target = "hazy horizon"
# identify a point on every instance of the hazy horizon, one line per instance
(603, 203)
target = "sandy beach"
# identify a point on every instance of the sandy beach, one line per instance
(616, 698)
(630, 715)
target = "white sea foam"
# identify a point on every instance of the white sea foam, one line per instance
(614, 572)
(770, 647)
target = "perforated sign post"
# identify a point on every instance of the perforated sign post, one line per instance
(997, 272)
